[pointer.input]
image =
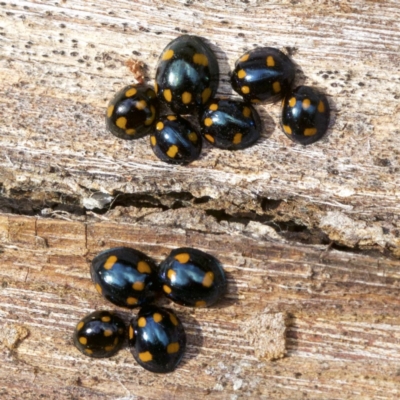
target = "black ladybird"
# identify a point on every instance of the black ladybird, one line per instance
(99, 334)
(230, 124)
(132, 112)
(305, 115)
(175, 140)
(263, 74)
(124, 276)
(157, 339)
(187, 74)
(192, 278)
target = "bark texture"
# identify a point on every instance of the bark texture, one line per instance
(309, 236)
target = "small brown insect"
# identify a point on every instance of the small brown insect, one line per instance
(137, 69)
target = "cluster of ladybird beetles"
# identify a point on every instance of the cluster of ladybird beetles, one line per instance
(128, 278)
(186, 82)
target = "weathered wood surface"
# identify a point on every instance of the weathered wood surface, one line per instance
(268, 213)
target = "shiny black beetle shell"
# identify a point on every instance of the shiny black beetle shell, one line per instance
(230, 124)
(125, 276)
(305, 115)
(132, 112)
(99, 334)
(263, 74)
(175, 140)
(192, 278)
(157, 339)
(187, 74)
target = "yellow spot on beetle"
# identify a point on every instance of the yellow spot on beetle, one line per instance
(110, 111)
(121, 122)
(255, 101)
(171, 117)
(276, 86)
(106, 318)
(82, 340)
(138, 286)
(98, 288)
(168, 55)
(213, 107)
(110, 262)
(241, 74)
(237, 138)
(88, 351)
(292, 102)
(246, 112)
(167, 95)
(186, 97)
(108, 332)
(153, 140)
(310, 131)
(321, 107)
(145, 356)
(209, 138)
(270, 61)
(80, 326)
(150, 120)
(183, 258)
(205, 95)
(116, 341)
(200, 303)
(131, 332)
(131, 301)
(171, 274)
(157, 317)
(173, 319)
(173, 348)
(143, 267)
(167, 289)
(159, 126)
(109, 348)
(287, 129)
(244, 58)
(245, 89)
(208, 122)
(141, 105)
(192, 137)
(142, 322)
(156, 87)
(130, 131)
(172, 151)
(200, 59)
(131, 92)
(306, 104)
(208, 279)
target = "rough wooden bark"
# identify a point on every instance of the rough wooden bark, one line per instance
(309, 236)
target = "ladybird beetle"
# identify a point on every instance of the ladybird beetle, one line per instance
(187, 74)
(132, 112)
(192, 278)
(157, 339)
(99, 334)
(175, 141)
(230, 124)
(305, 115)
(263, 74)
(125, 276)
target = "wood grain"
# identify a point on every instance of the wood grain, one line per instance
(309, 235)
(342, 317)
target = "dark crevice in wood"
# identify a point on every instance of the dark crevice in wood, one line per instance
(45, 204)
(22, 205)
